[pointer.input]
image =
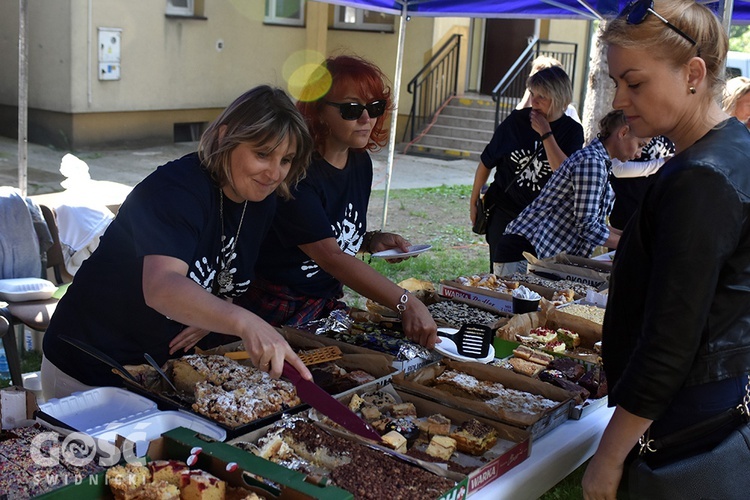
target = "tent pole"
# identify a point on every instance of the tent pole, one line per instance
(23, 98)
(726, 9)
(394, 116)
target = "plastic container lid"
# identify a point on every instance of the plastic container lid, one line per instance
(106, 412)
(24, 289)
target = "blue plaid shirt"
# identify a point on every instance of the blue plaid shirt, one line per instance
(570, 213)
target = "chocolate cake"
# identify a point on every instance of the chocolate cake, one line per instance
(365, 472)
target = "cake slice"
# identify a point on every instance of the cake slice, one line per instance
(167, 470)
(125, 480)
(441, 447)
(200, 485)
(396, 441)
(474, 437)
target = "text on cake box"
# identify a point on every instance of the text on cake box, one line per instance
(499, 304)
(499, 466)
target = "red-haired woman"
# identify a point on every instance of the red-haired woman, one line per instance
(310, 251)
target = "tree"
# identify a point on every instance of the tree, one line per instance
(600, 91)
(739, 38)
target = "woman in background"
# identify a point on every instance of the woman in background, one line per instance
(524, 151)
(676, 334)
(309, 254)
(736, 100)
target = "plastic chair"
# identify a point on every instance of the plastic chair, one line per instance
(34, 314)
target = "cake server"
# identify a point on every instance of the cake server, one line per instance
(104, 358)
(158, 369)
(329, 406)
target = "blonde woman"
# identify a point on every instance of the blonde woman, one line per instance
(676, 340)
(736, 100)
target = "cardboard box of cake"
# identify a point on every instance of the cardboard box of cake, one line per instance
(183, 464)
(238, 397)
(561, 348)
(491, 392)
(571, 267)
(367, 332)
(315, 446)
(495, 292)
(426, 430)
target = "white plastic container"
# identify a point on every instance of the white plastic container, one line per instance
(24, 289)
(108, 412)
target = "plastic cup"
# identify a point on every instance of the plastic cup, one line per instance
(521, 306)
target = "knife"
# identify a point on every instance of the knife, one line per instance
(329, 406)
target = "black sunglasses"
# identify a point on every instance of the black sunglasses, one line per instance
(637, 10)
(353, 110)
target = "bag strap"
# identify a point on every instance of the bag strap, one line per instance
(694, 432)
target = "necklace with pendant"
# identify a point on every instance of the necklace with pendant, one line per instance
(224, 277)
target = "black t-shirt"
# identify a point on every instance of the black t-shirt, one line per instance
(328, 203)
(521, 172)
(173, 212)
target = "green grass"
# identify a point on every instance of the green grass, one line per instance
(30, 362)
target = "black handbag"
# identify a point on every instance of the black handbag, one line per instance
(721, 473)
(483, 216)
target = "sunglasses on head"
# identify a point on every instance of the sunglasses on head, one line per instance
(353, 110)
(637, 10)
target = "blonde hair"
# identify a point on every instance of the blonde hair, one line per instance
(555, 83)
(734, 90)
(541, 62)
(653, 35)
(262, 116)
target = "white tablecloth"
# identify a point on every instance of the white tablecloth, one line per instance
(553, 457)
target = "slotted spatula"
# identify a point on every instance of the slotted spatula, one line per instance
(472, 340)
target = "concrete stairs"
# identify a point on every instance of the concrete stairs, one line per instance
(462, 129)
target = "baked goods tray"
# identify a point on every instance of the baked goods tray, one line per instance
(542, 406)
(150, 385)
(167, 402)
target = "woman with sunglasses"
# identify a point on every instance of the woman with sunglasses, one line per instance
(524, 151)
(310, 252)
(676, 335)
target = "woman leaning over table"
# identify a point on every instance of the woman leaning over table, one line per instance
(309, 253)
(676, 335)
(183, 244)
(526, 147)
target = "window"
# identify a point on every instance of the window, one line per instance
(288, 12)
(361, 19)
(180, 8)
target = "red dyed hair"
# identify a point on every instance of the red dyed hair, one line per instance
(370, 83)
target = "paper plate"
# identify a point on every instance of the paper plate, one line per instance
(395, 254)
(448, 349)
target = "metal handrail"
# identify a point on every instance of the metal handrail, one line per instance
(434, 84)
(511, 87)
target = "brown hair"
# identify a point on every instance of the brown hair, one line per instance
(262, 116)
(555, 83)
(692, 18)
(367, 78)
(611, 123)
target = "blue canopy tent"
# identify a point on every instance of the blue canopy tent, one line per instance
(736, 10)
